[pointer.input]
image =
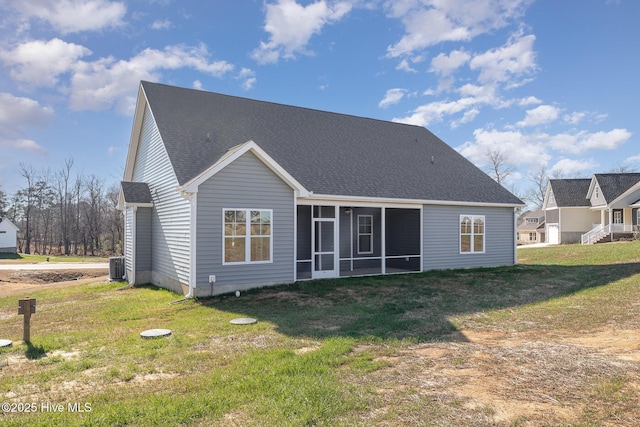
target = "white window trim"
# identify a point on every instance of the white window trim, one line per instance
(365, 234)
(618, 215)
(472, 234)
(247, 237)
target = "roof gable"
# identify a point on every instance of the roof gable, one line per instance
(5, 224)
(326, 153)
(233, 154)
(570, 192)
(613, 185)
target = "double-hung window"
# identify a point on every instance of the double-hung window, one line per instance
(365, 234)
(247, 236)
(472, 233)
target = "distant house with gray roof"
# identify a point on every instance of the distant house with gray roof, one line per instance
(222, 193)
(531, 227)
(588, 210)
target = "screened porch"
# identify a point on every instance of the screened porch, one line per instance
(341, 241)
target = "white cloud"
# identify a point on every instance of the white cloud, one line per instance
(161, 24)
(248, 77)
(540, 115)
(447, 64)
(530, 100)
(429, 22)
(40, 63)
(291, 26)
(575, 117)
(472, 97)
(633, 159)
(23, 144)
(197, 84)
(393, 96)
(507, 63)
(582, 141)
(71, 16)
(100, 84)
(467, 117)
(404, 66)
(17, 114)
(436, 111)
(573, 167)
(518, 148)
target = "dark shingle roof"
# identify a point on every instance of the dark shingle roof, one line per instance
(328, 153)
(136, 192)
(570, 192)
(613, 185)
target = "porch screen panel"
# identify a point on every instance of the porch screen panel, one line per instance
(402, 237)
(303, 246)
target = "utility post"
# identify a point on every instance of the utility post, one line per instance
(26, 307)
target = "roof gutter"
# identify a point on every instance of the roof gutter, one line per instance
(385, 200)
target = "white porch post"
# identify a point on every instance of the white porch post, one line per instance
(611, 224)
(383, 239)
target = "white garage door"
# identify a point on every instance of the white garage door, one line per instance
(552, 235)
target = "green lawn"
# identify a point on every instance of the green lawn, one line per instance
(329, 353)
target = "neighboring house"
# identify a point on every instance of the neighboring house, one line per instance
(601, 208)
(222, 193)
(615, 197)
(8, 236)
(531, 228)
(568, 213)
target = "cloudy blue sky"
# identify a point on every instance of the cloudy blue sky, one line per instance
(551, 83)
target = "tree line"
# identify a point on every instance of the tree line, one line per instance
(64, 213)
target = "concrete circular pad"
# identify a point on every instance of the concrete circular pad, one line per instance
(5, 343)
(243, 321)
(155, 333)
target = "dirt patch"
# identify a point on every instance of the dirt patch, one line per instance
(497, 378)
(21, 282)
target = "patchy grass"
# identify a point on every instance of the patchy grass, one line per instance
(32, 259)
(553, 341)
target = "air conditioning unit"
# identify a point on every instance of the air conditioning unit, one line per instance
(116, 268)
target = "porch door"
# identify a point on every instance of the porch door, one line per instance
(324, 248)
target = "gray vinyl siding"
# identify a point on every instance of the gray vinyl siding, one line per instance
(552, 216)
(170, 214)
(441, 231)
(143, 239)
(246, 183)
(349, 232)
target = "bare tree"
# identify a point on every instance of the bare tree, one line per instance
(622, 169)
(498, 167)
(114, 219)
(64, 193)
(539, 179)
(4, 204)
(94, 212)
(26, 201)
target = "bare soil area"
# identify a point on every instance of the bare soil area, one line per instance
(516, 379)
(22, 282)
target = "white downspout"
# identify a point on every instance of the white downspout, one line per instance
(193, 199)
(515, 233)
(133, 245)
